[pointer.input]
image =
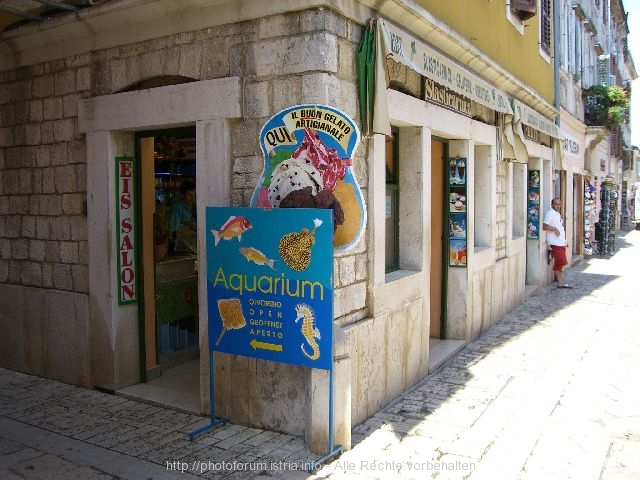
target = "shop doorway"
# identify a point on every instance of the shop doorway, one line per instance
(438, 158)
(110, 123)
(169, 219)
(440, 348)
(169, 314)
(578, 215)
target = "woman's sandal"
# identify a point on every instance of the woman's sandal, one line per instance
(566, 285)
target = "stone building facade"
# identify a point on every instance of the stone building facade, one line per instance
(68, 112)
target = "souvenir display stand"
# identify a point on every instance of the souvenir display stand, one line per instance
(606, 226)
(590, 215)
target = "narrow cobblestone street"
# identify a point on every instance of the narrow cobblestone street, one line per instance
(549, 392)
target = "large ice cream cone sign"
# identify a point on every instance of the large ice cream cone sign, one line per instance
(308, 163)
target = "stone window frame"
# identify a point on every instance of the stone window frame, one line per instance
(109, 123)
(517, 189)
(393, 191)
(391, 290)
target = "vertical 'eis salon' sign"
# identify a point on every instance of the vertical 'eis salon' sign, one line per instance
(125, 209)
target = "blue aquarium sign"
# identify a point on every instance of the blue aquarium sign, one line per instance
(270, 283)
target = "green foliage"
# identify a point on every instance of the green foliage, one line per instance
(605, 106)
(617, 96)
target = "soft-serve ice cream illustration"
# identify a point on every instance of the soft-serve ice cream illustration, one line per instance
(290, 176)
(308, 152)
(308, 178)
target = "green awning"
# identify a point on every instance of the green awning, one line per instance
(372, 81)
(365, 59)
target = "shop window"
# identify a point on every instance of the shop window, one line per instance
(519, 199)
(392, 200)
(399, 179)
(502, 171)
(523, 9)
(401, 246)
(483, 206)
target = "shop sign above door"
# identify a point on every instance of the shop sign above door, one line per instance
(308, 163)
(125, 208)
(270, 284)
(447, 98)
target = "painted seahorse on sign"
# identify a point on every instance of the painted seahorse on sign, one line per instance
(309, 330)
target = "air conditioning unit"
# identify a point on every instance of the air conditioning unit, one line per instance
(524, 9)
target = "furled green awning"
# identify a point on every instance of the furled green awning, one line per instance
(365, 59)
(372, 83)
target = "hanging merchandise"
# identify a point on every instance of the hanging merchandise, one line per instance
(606, 226)
(590, 216)
(624, 201)
(533, 204)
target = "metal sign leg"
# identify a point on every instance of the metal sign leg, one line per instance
(212, 404)
(331, 452)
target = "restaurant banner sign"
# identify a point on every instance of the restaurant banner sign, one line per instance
(571, 146)
(533, 119)
(401, 47)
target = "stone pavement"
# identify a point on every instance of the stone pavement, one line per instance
(549, 392)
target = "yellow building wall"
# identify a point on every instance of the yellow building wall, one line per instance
(484, 23)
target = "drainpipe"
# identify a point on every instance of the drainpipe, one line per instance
(556, 58)
(556, 65)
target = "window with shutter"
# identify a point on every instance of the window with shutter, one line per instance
(616, 142)
(545, 26)
(524, 9)
(604, 70)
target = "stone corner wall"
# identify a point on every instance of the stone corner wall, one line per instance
(43, 232)
(45, 333)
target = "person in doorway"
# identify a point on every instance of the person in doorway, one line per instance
(182, 211)
(557, 239)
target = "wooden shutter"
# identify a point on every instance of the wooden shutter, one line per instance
(616, 141)
(604, 70)
(545, 26)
